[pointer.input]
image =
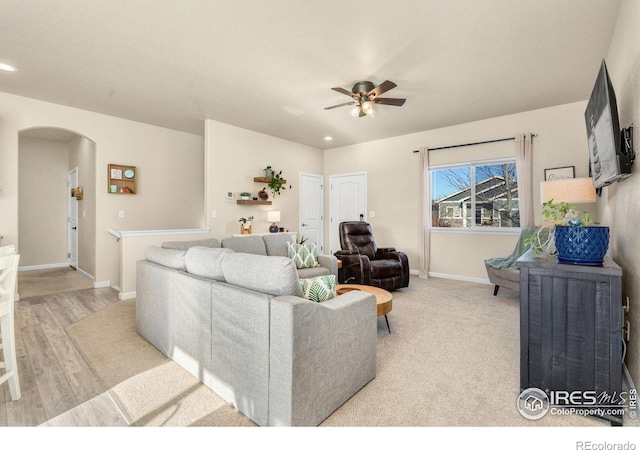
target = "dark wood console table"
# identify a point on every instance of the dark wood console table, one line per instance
(571, 326)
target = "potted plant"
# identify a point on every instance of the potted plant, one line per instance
(276, 182)
(245, 195)
(245, 224)
(577, 239)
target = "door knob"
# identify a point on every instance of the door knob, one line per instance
(74, 228)
(304, 224)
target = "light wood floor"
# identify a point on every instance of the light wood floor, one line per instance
(58, 388)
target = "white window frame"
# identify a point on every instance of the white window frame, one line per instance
(473, 229)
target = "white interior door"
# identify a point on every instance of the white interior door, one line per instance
(348, 202)
(311, 208)
(72, 221)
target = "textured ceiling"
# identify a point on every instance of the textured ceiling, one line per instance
(268, 65)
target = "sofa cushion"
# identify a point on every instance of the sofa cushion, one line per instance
(184, 245)
(206, 262)
(304, 255)
(245, 244)
(274, 275)
(319, 289)
(166, 257)
(276, 244)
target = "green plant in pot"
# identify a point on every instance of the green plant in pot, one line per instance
(576, 238)
(245, 221)
(276, 182)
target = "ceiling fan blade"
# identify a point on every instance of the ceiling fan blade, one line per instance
(341, 104)
(390, 101)
(382, 88)
(343, 91)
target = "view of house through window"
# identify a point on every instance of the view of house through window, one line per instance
(483, 194)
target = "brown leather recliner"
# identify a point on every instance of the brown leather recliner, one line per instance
(363, 262)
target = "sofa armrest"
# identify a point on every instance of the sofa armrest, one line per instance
(320, 355)
(330, 262)
(381, 250)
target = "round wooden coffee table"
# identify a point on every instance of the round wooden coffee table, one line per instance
(383, 298)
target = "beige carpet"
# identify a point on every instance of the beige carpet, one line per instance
(33, 283)
(452, 359)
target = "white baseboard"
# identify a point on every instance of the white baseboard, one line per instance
(85, 274)
(101, 284)
(43, 266)
(459, 278)
(127, 295)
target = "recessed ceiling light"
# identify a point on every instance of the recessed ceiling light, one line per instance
(7, 67)
(328, 138)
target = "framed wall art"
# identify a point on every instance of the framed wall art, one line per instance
(559, 173)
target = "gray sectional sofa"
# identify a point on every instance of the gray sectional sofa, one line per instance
(276, 245)
(266, 245)
(239, 323)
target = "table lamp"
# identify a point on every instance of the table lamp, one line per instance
(274, 218)
(570, 190)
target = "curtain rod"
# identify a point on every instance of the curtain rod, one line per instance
(473, 143)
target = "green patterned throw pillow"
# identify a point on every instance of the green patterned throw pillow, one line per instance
(304, 255)
(319, 289)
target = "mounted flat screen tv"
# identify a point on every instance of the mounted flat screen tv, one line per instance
(609, 161)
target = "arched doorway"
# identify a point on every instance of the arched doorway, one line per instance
(51, 161)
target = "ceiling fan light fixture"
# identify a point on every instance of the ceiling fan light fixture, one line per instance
(355, 111)
(370, 112)
(367, 106)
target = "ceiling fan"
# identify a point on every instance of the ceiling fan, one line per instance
(365, 94)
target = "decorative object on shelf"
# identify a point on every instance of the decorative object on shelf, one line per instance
(263, 194)
(121, 179)
(268, 172)
(77, 192)
(275, 182)
(576, 239)
(255, 199)
(245, 224)
(274, 218)
(245, 195)
(559, 173)
(116, 174)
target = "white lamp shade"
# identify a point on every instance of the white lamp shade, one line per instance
(273, 216)
(570, 190)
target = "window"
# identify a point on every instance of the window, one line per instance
(477, 195)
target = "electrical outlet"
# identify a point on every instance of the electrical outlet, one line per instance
(214, 213)
(372, 213)
(121, 214)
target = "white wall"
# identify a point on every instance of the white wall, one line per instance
(393, 182)
(170, 173)
(43, 168)
(234, 156)
(619, 205)
(82, 154)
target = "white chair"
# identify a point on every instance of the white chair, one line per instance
(8, 275)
